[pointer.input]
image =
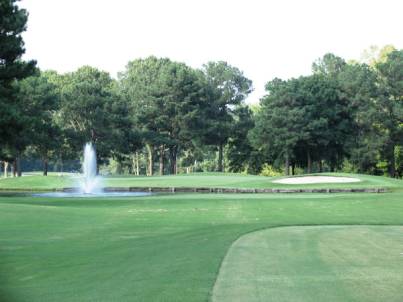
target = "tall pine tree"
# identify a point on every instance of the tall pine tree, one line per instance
(12, 23)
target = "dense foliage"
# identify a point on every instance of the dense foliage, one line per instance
(344, 116)
(161, 115)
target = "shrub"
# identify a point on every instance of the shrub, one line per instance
(268, 170)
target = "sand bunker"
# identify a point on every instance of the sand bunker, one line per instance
(315, 180)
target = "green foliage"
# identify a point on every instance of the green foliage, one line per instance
(114, 167)
(390, 81)
(161, 113)
(40, 103)
(328, 65)
(166, 101)
(268, 170)
(302, 120)
(240, 152)
(374, 54)
(278, 121)
(12, 24)
(86, 102)
(399, 160)
(227, 89)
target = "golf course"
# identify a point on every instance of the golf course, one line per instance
(201, 247)
(203, 151)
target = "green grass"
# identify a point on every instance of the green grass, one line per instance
(36, 182)
(320, 263)
(161, 247)
(225, 180)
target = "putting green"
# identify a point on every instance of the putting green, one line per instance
(318, 263)
(211, 180)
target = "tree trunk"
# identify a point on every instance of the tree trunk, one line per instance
(293, 169)
(309, 161)
(287, 164)
(14, 167)
(6, 169)
(18, 163)
(137, 164)
(45, 166)
(172, 158)
(320, 166)
(391, 160)
(150, 170)
(119, 168)
(220, 158)
(61, 165)
(162, 159)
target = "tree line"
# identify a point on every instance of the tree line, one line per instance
(164, 117)
(343, 116)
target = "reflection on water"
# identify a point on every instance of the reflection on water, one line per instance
(89, 195)
(74, 194)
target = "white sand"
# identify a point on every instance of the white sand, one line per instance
(315, 180)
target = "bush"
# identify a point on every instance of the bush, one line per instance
(268, 170)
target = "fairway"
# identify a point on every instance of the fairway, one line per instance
(161, 247)
(319, 263)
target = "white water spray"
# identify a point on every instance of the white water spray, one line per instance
(91, 182)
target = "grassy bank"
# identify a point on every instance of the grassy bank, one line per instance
(217, 180)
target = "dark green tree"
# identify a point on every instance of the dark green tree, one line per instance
(328, 121)
(304, 120)
(166, 99)
(329, 64)
(358, 84)
(228, 89)
(40, 103)
(240, 152)
(12, 23)
(125, 138)
(390, 81)
(86, 99)
(279, 123)
(141, 85)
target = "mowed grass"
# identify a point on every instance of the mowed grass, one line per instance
(223, 180)
(314, 263)
(162, 247)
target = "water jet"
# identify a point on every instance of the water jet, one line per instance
(90, 184)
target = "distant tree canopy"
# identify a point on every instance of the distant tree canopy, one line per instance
(344, 114)
(161, 115)
(228, 88)
(166, 101)
(304, 120)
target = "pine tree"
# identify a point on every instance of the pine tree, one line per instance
(12, 23)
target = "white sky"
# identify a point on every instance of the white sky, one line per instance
(263, 38)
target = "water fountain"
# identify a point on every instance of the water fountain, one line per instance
(90, 184)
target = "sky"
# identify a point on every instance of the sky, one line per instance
(263, 38)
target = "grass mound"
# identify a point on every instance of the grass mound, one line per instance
(321, 263)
